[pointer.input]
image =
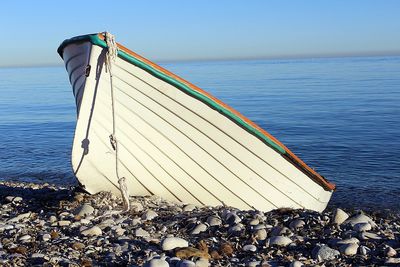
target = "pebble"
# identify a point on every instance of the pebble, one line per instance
(349, 249)
(362, 227)
(186, 263)
(170, 243)
(189, 207)
(282, 241)
(20, 217)
(368, 235)
(46, 237)
(351, 240)
(93, 231)
(25, 238)
(339, 216)
(200, 228)
(297, 223)
(139, 232)
(64, 223)
(390, 252)
(360, 218)
(156, 263)
(202, 263)
(214, 220)
(136, 206)
(84, 210)
(364, 250)
(149, 215)
(296, 264)
(251, 248)
(232, 218)
(324, 253)
(260, 234)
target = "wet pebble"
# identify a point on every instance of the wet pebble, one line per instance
(249, 248)
(282, 241)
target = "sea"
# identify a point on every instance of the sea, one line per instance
(340, 115)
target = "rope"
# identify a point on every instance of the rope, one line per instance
(112, 52)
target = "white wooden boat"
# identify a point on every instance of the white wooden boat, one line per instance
(174, 139)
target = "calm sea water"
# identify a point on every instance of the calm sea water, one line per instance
(340, 115)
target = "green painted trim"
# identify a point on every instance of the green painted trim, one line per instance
(94, 39)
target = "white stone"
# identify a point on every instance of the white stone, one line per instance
(200, 228)
(141, 233)
(64, 223)
(250, 248)
(93, 231)
(84, 210)
(349, 249)
(189, 207)
(351, 240)
(393, 261)
(368, 235)
(360, 218)
(362, 227)
(339, 216)
(296, 264)
(136, 206)
(282, 241)
(297, 223)
(390, 252)
(214, 220)
(202, 263)
(149, 215)
(156, 263)
(260, 234)
(20, 217)
(46, 237)
(364, 250)
(170, 243)
(52, 219)
(25, 238)
(120, 231)
(254, 222)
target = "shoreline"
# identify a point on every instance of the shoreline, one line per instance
(46, 225)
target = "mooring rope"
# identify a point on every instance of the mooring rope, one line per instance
(112, 52)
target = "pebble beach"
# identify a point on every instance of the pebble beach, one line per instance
(48, 225)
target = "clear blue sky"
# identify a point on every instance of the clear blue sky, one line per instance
(209, 29)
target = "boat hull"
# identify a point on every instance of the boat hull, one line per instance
(173, 144)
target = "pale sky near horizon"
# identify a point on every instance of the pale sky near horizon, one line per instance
(202, 30)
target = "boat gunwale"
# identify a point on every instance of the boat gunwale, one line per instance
(206, 98)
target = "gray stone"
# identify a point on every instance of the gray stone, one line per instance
(186, 263)
(282, 241)
(368, 235)
(236, 229)
(349, 249)
(339, 216)
(93, 231)
(351, 240)
(324, 253)
(170, 243)
(25, 238)
(149, 215)
(156, 263)
(199, 229)
(364, 250)
(233, 218)
(362, 227)
(214, 220)
(250, 248)
(360, 218)
(297, 223)
(84, 210)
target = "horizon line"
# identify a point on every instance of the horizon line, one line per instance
(215, 59)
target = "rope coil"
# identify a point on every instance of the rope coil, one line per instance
(111, 56)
